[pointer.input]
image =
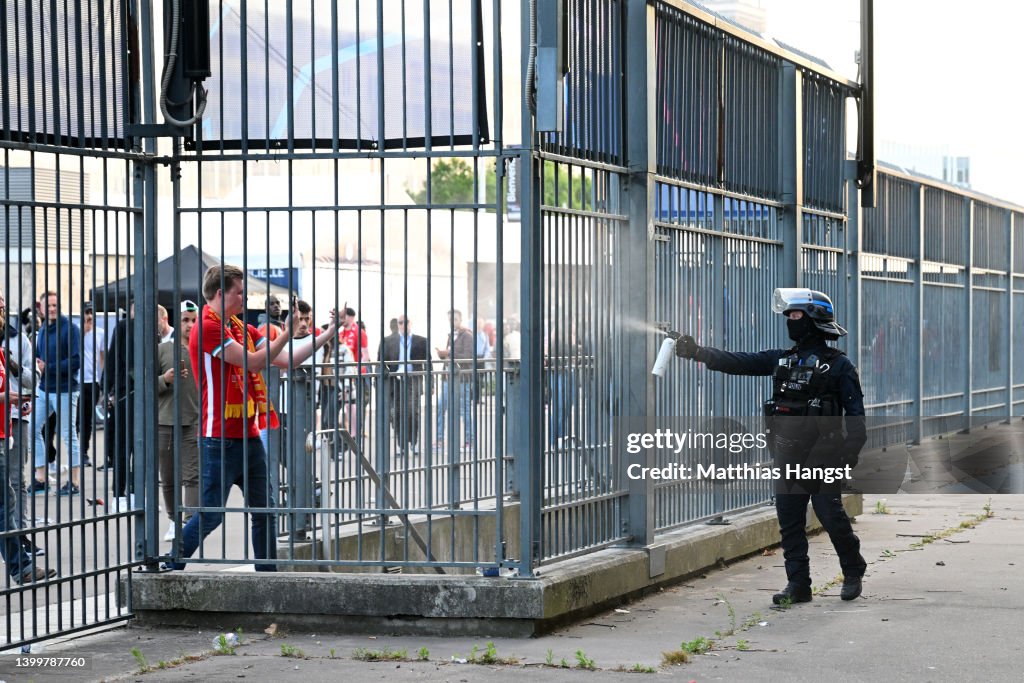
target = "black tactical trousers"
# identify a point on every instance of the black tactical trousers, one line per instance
(791, 509)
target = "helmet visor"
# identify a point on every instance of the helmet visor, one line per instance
(784, 298)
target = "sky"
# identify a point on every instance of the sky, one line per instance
(946, 75)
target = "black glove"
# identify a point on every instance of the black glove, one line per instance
(686, 347)
(850, 459)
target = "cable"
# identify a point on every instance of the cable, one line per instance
(528, 87)
(170, 58)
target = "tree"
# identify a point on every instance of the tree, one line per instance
(451, 183)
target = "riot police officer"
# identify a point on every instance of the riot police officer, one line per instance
(815, 417)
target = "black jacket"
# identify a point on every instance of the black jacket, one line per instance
(118, 375)
(418, 351)
(764, 363)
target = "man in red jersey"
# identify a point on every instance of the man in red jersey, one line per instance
(353, 334)
(228, 356)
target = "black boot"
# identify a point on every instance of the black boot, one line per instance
(792, 593)
(852, 588)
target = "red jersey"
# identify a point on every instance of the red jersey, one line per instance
(6, 412)
(226, 406)
(356, 340)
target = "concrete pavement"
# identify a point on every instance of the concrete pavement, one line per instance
(942, 600)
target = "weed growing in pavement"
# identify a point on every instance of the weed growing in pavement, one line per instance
(697, 646)
(385, 655)
(141, 659)
(732, 618)
(292, 651)
(675, 657)
(224, 647)
(584, 662)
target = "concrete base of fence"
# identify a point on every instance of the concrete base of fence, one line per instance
(450, 604)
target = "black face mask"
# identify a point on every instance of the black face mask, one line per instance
(801, 329)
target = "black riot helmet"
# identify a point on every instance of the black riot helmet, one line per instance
(815, 305)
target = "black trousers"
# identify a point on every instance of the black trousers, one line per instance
(404, 409)
(791, 509)
(119, 433)
(86, 414)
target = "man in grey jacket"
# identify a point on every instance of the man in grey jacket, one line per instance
(178, 372)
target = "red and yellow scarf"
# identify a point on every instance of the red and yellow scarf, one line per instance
(256, 399)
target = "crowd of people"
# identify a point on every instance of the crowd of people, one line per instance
(222, 389)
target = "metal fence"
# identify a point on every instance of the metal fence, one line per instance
(71, 204)
(359, 158)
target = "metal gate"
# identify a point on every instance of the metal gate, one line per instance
(71, 209)
(350, 160)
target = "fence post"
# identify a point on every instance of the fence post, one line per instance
(918, 338)
(967, 212)
(790, 172)
(636, 297)
(1009, 316)
(530, 440)
(145, 478)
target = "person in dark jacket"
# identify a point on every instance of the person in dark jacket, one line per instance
(406, 356)
(815, 387)
(119, 384)
(58, 346)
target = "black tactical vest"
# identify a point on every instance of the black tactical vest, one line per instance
(805, 389)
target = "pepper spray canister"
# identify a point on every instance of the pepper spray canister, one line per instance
(665, 354)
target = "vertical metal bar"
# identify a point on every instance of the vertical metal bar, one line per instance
(501, 399)
(917, 334)
(790, 171)
(289, 51)
(144, 451)
(967, 221)
(719, 247)
(636, 298)
(1009, 314)
(852, 282)
(530, 442)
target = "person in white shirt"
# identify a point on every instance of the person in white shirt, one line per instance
(94, 354)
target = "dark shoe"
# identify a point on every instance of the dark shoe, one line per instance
(38, 486)
(68, 489)
(173, 566)
(31, 548)
(792, 593)
(36, 574)
(852, 587)
(86, 461)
